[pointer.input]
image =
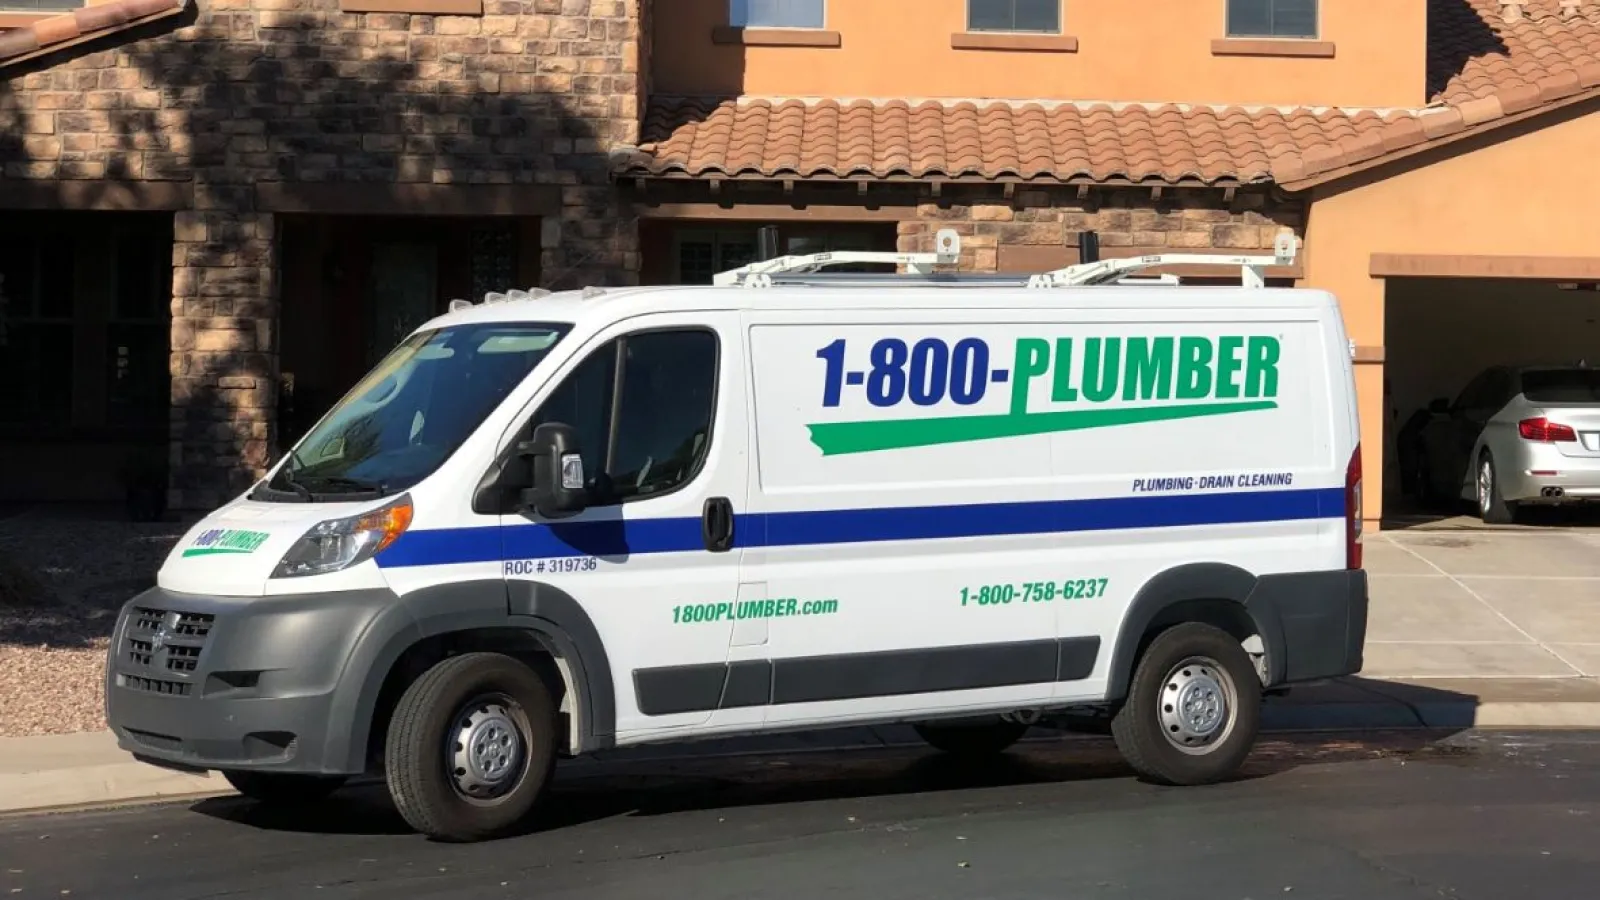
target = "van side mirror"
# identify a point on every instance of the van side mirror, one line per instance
(1439, 406)
(557, 468)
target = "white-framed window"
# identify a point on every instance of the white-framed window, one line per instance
(776, 13)
(1272, 18)
(1026, 16)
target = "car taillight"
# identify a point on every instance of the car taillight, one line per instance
(1352, 511)
(1545, 431)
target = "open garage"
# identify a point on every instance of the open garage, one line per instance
(1442, 333)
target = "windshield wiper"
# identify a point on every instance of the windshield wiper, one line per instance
(356, 484)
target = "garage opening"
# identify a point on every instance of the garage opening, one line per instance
(1459, 390)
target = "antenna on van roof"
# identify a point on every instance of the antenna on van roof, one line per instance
(803, 269)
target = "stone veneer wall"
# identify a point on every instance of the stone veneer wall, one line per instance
(1187, 221)
(251, 91)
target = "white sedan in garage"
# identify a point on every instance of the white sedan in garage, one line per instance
(1514, 437)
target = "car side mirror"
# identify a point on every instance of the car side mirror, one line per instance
(557, 468)
(1439, 406)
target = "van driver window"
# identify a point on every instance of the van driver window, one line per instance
(664, 403)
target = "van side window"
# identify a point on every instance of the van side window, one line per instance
(643, 426)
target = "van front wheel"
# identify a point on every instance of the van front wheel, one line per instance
(470, 747)
(971, 740)
(1193, 708)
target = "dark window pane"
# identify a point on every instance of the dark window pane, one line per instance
(36, 368)
(664, 424)
(1272, 18)
(494, 260)
(142, 263)
(1249, 17)
(1295, 18)
(17, 261)
(736, 252)
(990, 15)
(696, 261)
(1562, 386)
(776, 13)
(56, 270)
(1038, 15)
(583, 401)
(138, 384)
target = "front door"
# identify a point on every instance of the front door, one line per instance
(659, 411)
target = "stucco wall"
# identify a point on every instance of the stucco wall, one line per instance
(1155, 50)
(1486, 202)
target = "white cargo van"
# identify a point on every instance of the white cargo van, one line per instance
(550, 525)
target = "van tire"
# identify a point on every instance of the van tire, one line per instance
(1215, 666)
(497, 702)
(283, 789)
(971, 741)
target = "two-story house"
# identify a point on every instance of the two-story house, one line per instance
(215, 213)
(1432, 155)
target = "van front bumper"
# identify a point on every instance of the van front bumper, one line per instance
(199, 682)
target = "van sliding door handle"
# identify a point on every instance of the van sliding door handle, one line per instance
(716, 524)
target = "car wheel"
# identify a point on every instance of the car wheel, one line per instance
(471, 747)
(972, 741)
(1493, 508)
(1193, 708)
(282, 789)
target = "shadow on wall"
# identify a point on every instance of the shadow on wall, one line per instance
(224, 100)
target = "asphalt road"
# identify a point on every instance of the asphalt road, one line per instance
(1474, 816)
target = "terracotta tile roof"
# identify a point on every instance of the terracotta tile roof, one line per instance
(1486, 71)
(1473, 52)
(757, 138)
(1489, 61)
(56, 32)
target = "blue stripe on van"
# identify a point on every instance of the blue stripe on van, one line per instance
(443, 546)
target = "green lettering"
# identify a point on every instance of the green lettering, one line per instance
(769, 609)
(1194, 368)
(1063, 391)
(1100, 376)
(1261, 368)
(1033, 358)
(1149, 369)
(1228, 365)
(789, 606)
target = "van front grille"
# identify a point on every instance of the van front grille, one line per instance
(166, 640)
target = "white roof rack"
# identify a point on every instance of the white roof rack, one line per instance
(804, 269)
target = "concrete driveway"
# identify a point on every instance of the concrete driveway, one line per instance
(1480, 603)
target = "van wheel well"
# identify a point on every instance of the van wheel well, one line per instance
(520, 644)
(1227, 615)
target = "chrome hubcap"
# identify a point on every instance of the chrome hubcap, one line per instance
(1485, 484)
(1197, 703)
(486, 749)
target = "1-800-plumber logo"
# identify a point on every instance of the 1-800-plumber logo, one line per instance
(218, 541)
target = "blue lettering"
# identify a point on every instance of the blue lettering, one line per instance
(926, 373)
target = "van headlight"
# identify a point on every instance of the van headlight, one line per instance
(341, 543)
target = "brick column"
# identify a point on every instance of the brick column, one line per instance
(224, 354)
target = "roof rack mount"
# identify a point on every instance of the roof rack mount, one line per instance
(1252, 269)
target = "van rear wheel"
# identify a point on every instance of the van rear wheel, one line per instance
(971, 740)
(471, 747)
(1193, 708)
(282, 789)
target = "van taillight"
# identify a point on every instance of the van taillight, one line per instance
(1352, 511)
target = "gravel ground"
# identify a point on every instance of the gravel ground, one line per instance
(63, 575)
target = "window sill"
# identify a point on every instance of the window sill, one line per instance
(414, 7)
(1003, 40)
(1292, 47)
(775, 37)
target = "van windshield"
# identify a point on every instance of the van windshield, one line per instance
(406, 417)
